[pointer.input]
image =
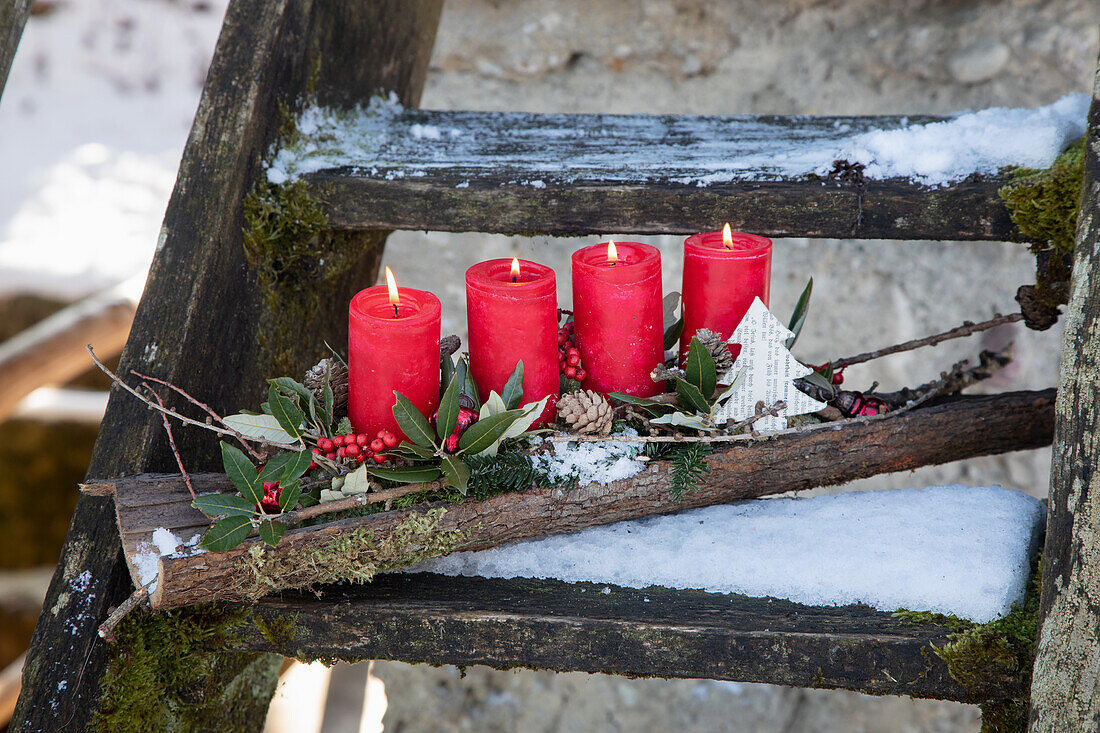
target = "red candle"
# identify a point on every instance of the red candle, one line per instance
(512, 314)
(723, 272)
(393, 344)
(617, 316)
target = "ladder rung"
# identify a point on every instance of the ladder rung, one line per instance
(586, 174)
(657, 632)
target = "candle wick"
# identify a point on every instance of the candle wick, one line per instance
(395, 310)
(513, 279)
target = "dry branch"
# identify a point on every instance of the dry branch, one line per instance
(966, 329)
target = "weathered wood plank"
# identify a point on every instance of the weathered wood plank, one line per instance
(655, 632)
(200, 328)
(13, 17)
(585, 174)
(961, 427)
(1065, 691)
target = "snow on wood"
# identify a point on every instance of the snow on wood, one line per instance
(949, 549)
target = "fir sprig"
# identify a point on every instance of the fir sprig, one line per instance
(689, 463)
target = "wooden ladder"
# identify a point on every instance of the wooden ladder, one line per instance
(207, 326)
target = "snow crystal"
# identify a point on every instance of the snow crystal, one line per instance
(388, 141)
(599, 461)
(948, 549)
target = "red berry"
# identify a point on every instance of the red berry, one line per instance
(361, 439)
(312, 466)
(367, 452)
(572, 350)
(562, 338)
(325, 445)
(571, 372)
(568, 327)
(390, 440)
(562, 365)
(331, 456)
(361, 457)
(378, 445)
(380, 434)
(573, 359)
(338, 441)
(580, 375)
(316, 451)
(838, 378)
(379, 459)
(352, 450)
(341, 452)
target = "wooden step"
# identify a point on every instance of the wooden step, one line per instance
(519, 173)
(655, 632)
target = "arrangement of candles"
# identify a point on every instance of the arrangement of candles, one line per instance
(512, 314)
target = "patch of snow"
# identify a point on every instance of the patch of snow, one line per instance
(388, 141)
(601, 462)
(948, 549)
(164, 544)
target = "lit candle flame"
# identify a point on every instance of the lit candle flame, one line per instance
(612, 253)
(515, 269)
(727, 237)
(392, 285)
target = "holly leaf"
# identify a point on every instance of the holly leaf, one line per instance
(263, 427)
(272, 532)
(356, 482)
(224, 505)
(447, 417)
(801, 310)
(513, 388)
(411, 422)
(691, 397)
(699, 368)
(226, 534)
(285, 411)
(241, 472)
(288, 497)
(414, 475)
(457, 473)
(684, 420)
(286, 466)
(482, 434)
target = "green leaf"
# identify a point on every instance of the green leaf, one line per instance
(669, 304)
(264, 427)
(469, 387)
(344, 426)
(483, 433)
(447, 417)
(734, 386)
(494, 405)
(337, 355)
(673, 333)
(820, 381)
(226, 534)
(241, 472)
(530, 412)
(415, 475)
(228, 505)
(457, 473)
(289, 387)
(639, 401)
(411, 450)
(356, 482)
(691, 397)
(684, 420)
(411, 422)
(311, 497)
(266, 409)
(288, 497)
(271, 532)
(801, 310)
(513, 388)
(286, 466)
(326, 396)
(446, 373)
(699, 368)
(286, 412)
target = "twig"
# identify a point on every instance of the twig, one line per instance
(773, 410)
(205, 408)
(352, 502)
(955, 380)
(182, 418)
(172, 442)
(966, 329)
(138, 597)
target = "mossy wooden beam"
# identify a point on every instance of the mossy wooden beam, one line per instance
(655, 632)
(518, 173)
(13, 17)
(1065, 691)
(199, 323)
(961, 427)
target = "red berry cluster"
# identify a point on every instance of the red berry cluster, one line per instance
(838, 375)
(358, 446)
(569, 359)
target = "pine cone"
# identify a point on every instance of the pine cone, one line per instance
(585, 412)
(716, 345)
(338, 381)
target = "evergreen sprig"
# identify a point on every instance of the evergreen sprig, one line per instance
(689, 463)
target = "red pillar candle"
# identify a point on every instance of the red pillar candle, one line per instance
(617, 316)
(723, 272)
(512, 314)
(393, 344)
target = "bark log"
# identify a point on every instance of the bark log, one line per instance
(960, 427)
(1065, 690)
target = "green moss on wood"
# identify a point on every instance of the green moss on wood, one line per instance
(984, 657)
(1043, 206)
(171, 672)
(355, 556)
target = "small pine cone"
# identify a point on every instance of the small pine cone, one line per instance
(338, 381)
(586, 411)
(716, 345)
